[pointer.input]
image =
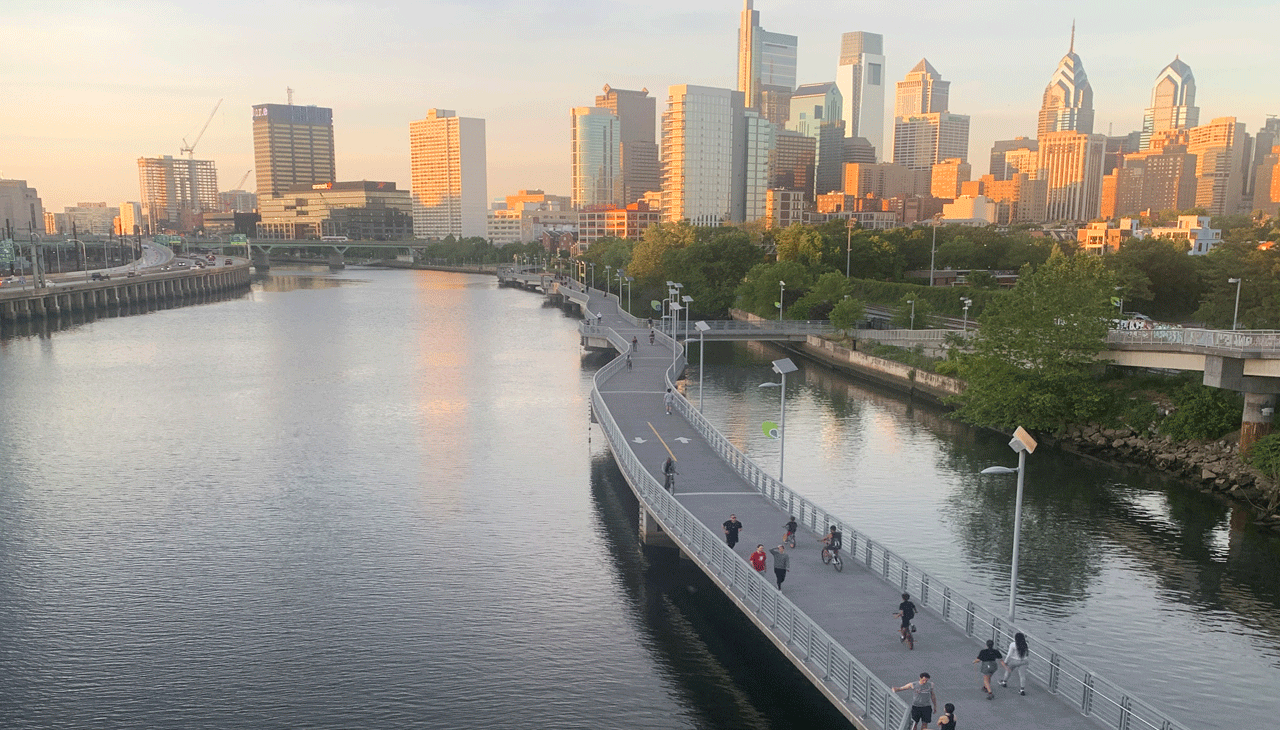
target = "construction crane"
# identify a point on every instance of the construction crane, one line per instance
(240, 185)
(190, 149)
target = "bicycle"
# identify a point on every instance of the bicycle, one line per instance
(790, 538)
(831, 556)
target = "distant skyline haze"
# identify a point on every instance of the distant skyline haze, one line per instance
(92, 87)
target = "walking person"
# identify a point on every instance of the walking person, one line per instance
(781, 561)
(669, 474)
(669, 399)
(634, 343)
(731, 527)
(924, 703)
(1018, 656)
(651, 335)
(759, 559)
(907, 612)
(947, 721)
(988, 658)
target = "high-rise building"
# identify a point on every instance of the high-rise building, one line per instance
(766, 67)
(793, 162)
(637, 119)
(1222, 155)
(860, 78)
(1173, 102)
(947, 176)
(131, 219)
(20, 207)
(176, 190)
(1070, 163)
(922, 92)
(923, 140)
(753, 146)
(361, 210)
(1264, 142)
(92, 219)
(884, 180)
(1068, 99)
(1157, 180)
(1266, 191)
(815, 112)
(1000, 169)
(449, 173)
(595, 155)
(292, 146)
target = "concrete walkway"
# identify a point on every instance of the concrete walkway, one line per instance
(855, 607)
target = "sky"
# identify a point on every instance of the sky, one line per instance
(90, 86)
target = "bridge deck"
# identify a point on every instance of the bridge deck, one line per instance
(855, 606)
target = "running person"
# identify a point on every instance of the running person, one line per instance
(907, 611)
(790, 537)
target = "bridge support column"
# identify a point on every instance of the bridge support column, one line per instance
(260, 262)
(1259, 408)
(336, 261)
(651, 533)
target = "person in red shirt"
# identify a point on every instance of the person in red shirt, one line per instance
(759, 559)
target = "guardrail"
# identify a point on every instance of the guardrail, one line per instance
(1093, 695)
(1242, 341)
(870, 698)
(908, 335)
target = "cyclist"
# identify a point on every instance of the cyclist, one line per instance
(669, 474)
(790, 537)
(834, 541)
(650, 336)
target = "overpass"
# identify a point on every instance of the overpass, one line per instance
(834, 627)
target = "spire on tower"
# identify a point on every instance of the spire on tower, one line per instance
(1072, 49)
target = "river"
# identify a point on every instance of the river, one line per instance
(375, 499)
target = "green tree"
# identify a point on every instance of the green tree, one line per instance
(912, 312)
(759, 289)
(800, 243)
(1157, 277)
(847, 314)
(818, 302)
(713, 267)
(1032, 356)
(648, 259)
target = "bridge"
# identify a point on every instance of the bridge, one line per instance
(834, 627)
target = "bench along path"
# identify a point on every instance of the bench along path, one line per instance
(854, 606)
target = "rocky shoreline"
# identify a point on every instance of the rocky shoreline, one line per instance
(1215, 466)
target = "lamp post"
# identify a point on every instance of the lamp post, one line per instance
(593, 275)
(933, 248)
(1023, 444)
(782, 290)
(1235, 318)
(782, 367)
(84, 255)
(912, 302)
(675, 344)
(702, 355)
(687, 300)
(619, 273)
(608, 281)
(967, 302)
(630, 285)
(848, 245)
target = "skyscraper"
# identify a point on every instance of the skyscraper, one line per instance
(922, 92)
(766, 67)
(860, 78)
(1068, 99)
(815, 112)
(1071, 165)
(20, 207)
(924, 131)
(449, 174)
(292, 146)
(595, 152)
(637, 117)
(1173, 101)
(999, 166)
(1222, 150)
(175, 190)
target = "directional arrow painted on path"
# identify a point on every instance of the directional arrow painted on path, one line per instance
(637, 440)
(682, 439)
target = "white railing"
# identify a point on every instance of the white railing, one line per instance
(869, 697)
(1241, 341)
(908, 335)
(1092, 695)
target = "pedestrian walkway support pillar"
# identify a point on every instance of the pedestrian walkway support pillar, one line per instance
(651, 532)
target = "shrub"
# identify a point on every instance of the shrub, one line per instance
(1203, 413)
(1265, 455)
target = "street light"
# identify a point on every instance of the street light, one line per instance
(1235, 318)
(630, 285)
(967, 302)
(912, 302)
(782, 367)
(593, 275)
(687, 300)
(1023, 444)
(702, 355)
(84, 254)
(782, 290)
(608, 281)
(675, 344)
(933, 248)
(848, 245)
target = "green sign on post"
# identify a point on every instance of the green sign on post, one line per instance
(6, 252)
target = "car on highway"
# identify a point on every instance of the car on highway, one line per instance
(100, 276)
(227, 262)
(182, 263)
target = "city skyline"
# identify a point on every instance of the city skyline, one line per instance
(85, 118)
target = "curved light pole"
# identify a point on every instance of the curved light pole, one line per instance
(933, 249)
(84, 255)
(1023, 444)
(1235, 318)
(848, 245)
(782, 367)
(702, 355)
(675, 344)
(912, 302)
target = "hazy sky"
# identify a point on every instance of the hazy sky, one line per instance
(90, 86)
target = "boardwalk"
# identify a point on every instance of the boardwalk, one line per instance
(853, 608)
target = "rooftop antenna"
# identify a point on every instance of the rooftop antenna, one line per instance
(289, 91)
(1073, 37)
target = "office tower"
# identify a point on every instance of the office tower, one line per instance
(947, 176)
(884, 180)
(637, 117)
(1173, 102)
(90, 219)
(923, 140)
(361, 210)
(1266, 190)
(595, 156)
(793, 162)
(1070, 163)
(131, 220)
(1222, 155)
(815, 112)
(858, 149)
(1119, 147)
(922, 92)
(715, 157)
(175, 191)
(449, 175)
(20, 208)
(1263, 144)
(292, 146)
(999, 169)
(1156, 179)
(860, 78)
(1068, 99)
(1018, 199)
(766, 67)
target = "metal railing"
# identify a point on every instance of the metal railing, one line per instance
(908, 335)
(869, 697)
(1241, 341)
(1093, 695)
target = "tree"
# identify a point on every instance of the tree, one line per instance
(800, 243)
(847, 314)
(1033, 352)
(713, 267)
(1157, 277)
(648, 258)
(759, 290)
(912, 316)
(818, 302)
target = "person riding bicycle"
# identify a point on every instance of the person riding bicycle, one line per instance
(834, 540)
(790, 537)
(669, 474)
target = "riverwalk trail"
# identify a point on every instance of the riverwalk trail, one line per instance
(854, 607)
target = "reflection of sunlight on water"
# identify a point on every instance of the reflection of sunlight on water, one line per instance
(1219, 543)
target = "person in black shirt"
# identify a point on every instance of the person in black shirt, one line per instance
(669, 475)
(731, 527)
(989, 658)
(907, 611)
(790, 537)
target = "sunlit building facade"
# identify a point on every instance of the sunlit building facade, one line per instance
(999, 168)
(1068, 99)
(815, 112)
(595, 146)
(21, 208)
(449, 174)
(922, 92)
(292, 146)
(1173, 102)
(1071, 166)
(860, 78)
(766, 67)
(175, 191)
(947, 176)
(698, 170)
(638, 146)
(923, 140)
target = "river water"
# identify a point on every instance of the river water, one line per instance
(375, 499)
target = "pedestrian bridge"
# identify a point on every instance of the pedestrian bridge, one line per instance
(836, 628)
